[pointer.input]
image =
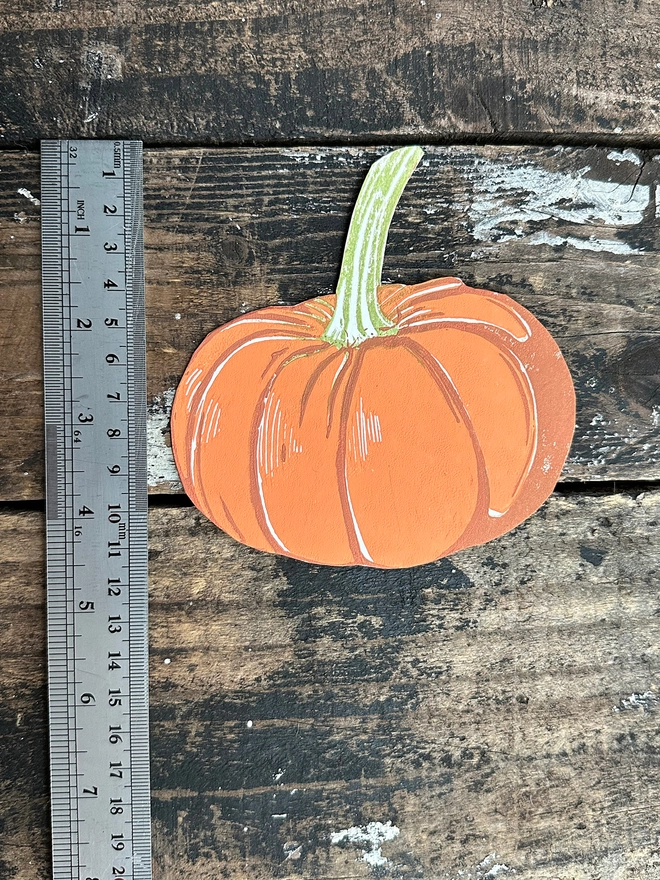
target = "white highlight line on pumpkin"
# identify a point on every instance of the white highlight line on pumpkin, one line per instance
(498, 513)
(217, 420)
(293, 444)
(192, 393)
(259, 444)
(276, 432)
(428, 290)
(523, 370)
(270, 434)
(365, 431)
(392, 294)
(412, 306)
(210, 412)
(339, 369)
(525, 325)
(268, 447)
(468, 321)
(434, 289)
(361, 432)
(269, 525)
(211, 420)
(207, 410)
(358, 533)
(270, 423)
(451, 381)
(214, 376)
(373, 428)
(191, 378)
(418, 314)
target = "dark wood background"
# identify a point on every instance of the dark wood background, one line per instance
(494, 714)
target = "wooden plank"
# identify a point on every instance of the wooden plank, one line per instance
(497, 708)
(233, 73)
(573, 234)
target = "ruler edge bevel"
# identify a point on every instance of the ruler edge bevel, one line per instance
(138, 513)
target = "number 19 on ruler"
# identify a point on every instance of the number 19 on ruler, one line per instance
(96, 508)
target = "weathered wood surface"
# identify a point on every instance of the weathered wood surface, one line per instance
(230, 73)
(573, 234)
(498, 709)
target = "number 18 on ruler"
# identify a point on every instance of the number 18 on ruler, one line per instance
(96, 508)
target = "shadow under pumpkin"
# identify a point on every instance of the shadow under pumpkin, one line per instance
(318, 736)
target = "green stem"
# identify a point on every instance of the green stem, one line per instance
(358, 315)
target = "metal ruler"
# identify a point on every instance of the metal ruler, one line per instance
(96, 507)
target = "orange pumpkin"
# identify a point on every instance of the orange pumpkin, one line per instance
(386, 426)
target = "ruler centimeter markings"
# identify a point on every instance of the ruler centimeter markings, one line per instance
(96, 508)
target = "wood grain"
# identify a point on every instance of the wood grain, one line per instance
(498, 708)
(573, 234)
(235, 73)
(490, 715)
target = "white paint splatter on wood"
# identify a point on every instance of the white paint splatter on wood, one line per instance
(292, 850)
(104, 61)
(509, 198)
(620, 156)
(488, 869)
(160, 461)
(373, 835)
(645, 701)
(585, 244)
(22, 191)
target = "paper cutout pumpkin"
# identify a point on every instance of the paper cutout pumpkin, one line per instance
(386, 426)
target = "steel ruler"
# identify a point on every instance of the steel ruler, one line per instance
(96, 507)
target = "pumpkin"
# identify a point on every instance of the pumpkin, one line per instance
(388, 425)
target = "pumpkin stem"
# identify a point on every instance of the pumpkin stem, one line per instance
(358, 315)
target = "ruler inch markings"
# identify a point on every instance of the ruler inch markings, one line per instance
(96, 509)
